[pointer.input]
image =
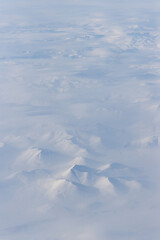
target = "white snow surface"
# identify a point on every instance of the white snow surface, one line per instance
(79, 120)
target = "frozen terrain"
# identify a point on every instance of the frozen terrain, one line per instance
(79, 120)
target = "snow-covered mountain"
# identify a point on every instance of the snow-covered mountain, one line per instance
(79, 120)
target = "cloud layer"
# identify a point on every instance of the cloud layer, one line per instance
(79, 120)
